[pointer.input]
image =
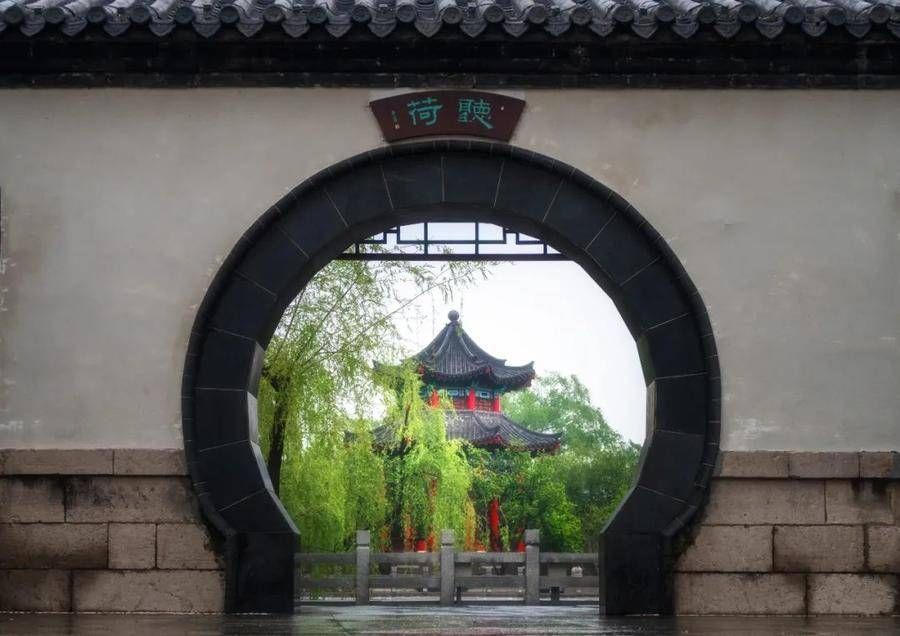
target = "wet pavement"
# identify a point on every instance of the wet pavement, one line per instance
(477, 620)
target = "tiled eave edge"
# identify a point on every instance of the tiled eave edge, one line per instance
(808, 465)
(104, 461)
(644, 18)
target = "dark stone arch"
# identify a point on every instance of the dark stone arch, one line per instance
(451, 180)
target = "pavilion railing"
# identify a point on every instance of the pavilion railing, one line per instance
(448, 571)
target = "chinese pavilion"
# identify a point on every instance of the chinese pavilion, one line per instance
(475, 380)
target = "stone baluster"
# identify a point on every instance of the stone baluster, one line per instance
(448, 557)
(363, 540)
(532, 567)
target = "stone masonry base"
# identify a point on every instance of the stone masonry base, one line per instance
(796, 533)
(103, 531)
(119, 531)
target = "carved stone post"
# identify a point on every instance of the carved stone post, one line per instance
(532, 567)
(448, 575)
(362, 567)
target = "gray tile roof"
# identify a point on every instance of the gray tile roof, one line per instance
(453, 358)
(488, 429)
(296, 18)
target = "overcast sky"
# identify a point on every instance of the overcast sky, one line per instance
(551, 313)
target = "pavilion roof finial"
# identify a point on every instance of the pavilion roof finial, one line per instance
(453, 315)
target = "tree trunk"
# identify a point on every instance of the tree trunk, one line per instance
(276, 447)
(397, 538)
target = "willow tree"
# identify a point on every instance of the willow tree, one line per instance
(317, 382)
(428, 476)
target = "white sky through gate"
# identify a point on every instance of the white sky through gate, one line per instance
(551, 313)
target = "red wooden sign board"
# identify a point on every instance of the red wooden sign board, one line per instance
(427, 113)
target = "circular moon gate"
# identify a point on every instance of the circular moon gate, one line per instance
(451, 181)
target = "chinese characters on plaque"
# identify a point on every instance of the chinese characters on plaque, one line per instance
(472, 113)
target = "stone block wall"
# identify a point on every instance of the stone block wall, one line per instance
(104, 531)
(119, 531)
(796, 533)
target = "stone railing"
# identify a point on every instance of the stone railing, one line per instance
(441, 571)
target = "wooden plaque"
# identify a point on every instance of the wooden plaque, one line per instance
(426, 113)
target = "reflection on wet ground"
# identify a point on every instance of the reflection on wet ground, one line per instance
(479, 620)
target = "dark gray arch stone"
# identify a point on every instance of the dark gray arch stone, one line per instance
(451, 180)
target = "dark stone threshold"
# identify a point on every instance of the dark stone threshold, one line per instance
(427, 619)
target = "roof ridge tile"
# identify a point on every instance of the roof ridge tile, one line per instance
(556, 17)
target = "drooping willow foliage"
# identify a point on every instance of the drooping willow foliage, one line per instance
(333, 489)
(429, 477)
(317, 381)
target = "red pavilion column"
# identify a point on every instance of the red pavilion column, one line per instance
(434, 399)
(494, 524)
(470, 400)
(495, 406)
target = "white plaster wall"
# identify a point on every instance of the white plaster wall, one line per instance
(119, 205)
